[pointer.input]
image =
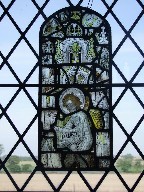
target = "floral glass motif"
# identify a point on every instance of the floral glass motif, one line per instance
(75, 126)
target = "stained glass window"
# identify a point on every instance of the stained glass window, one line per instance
(75, 126)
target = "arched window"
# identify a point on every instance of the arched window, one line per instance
(75, 126)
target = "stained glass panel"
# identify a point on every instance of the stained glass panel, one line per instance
(75, 125)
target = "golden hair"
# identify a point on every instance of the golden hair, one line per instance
(73, 98)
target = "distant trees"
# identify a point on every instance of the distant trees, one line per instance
(1, 149)
(14, 159)
(138, 166)
(26, 168)
(129, 164)
(126, 163)
(15, 165)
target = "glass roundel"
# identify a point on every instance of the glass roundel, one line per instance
(75, 127)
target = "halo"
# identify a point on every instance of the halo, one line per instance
(74, 91)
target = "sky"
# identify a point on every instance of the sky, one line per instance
(128, 59)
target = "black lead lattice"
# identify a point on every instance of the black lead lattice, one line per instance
(23, 85)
